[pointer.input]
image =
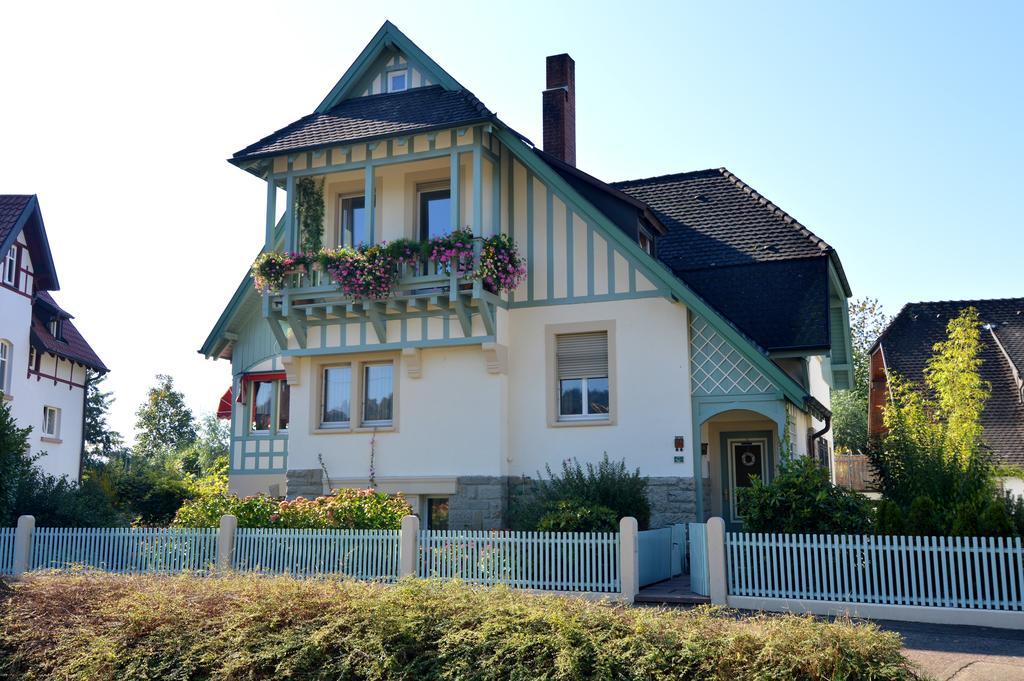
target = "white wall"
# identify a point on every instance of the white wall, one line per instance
(28, 395)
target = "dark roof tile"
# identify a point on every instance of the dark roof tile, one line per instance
(372, 117)
(11, 208)
(73, 346)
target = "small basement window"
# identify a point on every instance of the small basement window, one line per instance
(398, 81)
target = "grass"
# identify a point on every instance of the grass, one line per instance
(112, 627)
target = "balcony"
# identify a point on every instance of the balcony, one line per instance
(423, 287)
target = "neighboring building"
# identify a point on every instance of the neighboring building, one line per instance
(43, 358)
(693, 313)
(907, 343)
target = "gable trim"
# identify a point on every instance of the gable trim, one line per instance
(387, 36)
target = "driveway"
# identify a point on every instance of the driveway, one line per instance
(962, 653)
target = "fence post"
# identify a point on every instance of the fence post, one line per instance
(716, 561)
(23, 545)
(629, 559)
(408, 549)
(226, 543)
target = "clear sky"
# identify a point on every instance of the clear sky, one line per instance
(893, 130)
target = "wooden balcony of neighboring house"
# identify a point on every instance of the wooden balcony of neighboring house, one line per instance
(425, 287)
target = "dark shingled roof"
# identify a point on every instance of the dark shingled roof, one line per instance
(373, 117)
(73, 346)
(754, 263)
(908, 343)
(11, 208)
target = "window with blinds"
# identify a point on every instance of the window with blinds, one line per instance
(581, 361)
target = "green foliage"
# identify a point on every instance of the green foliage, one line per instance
(209, 449)
(100, 440)
(310, 208)
(608, 484)
(15, 462)
(58, 502)
(348, 509)
(889, 519)
(107, 628)
(923, 518)
(164, 424)
(802, 499)
(933, 445)
(850, 407)
(571, 515)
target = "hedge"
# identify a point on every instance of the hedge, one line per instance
(113, 627)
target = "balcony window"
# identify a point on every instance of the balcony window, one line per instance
(378, 394)
(337, 392)
(435, 210)
(353, 231)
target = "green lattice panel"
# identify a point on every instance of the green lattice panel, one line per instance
(717, 368)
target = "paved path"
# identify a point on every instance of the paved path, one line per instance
(957, 653)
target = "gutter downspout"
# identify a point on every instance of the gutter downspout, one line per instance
(85, 405)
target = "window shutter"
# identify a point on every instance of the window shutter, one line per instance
(582, 355)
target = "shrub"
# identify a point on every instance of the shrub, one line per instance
(923, 518)
(889, 519)
(802, 499)
(348, 509)
(110, 627)
(571, 515)
(994, 520)
(58, 502)
(608, 484)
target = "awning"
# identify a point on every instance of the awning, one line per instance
(224, 408)
(256, 377)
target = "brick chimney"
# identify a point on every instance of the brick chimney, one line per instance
(560, 108)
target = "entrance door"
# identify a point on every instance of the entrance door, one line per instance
(744, 456)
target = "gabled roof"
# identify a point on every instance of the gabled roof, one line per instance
(20, 213)
(363, 119)
(907, 344)
(72, 346)
(747, 257)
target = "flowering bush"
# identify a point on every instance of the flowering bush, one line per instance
(501, 267)
(270, 269)
(346, 509)
(454, 250)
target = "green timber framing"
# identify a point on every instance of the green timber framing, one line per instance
(667, 283)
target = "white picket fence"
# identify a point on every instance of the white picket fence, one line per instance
(125, 550)
(359, 554)
(547, 561)
(950, 572)
(6, 550)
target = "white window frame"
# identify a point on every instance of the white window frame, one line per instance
(11, 266)
(394, 74)
(553, 384)
(55, 432)
(322, 402)
(356, 423)
(6, 356)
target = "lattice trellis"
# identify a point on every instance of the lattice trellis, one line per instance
(717, 368)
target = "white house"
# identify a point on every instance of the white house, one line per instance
(43, 358)
(683, 323)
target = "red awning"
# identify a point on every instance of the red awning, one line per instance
(224, 408)
(259, 376)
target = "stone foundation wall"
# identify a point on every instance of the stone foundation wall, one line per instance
(672, 501)
(305, 482)
(480, 502)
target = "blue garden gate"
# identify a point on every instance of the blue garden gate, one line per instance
(660, 553)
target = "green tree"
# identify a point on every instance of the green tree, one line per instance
(933, 445)
(850, 407)
(210, 449)
(164, 423)
(15, 462)
(100, 440)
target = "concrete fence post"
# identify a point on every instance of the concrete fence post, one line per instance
(226, 543)
(629, 559)
(23, 545)
(716, 561)
(408, 546)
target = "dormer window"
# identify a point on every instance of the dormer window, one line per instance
(646, 241)
(55, 327)
(398, 81)
(11, 266)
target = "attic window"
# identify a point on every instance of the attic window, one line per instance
(11, 266)
(646, 241)
(398, 81)
(55, 328)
